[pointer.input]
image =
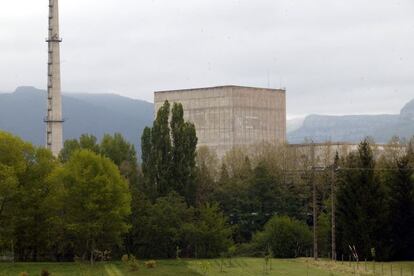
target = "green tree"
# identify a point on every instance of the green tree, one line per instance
(168, 155)
(122, 153)
(85, 141)
(8, 191)
(209, 234)
(401, 186)
(237, 163)
(207, 173)
(265, 192)
(361, 206)
(169, 223)
(13, 152)
(89, 142)
(324, 234)
(184, 143)
(156, 153)
(287, 238)
(136, 240)
(26, 198)
(224, 173)
(117, 149)
(148, 164)
(159, 228)
(96, 202)
(410, 151)
(36, 206)
(13, 164)
(69, 147)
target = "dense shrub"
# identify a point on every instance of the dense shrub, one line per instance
(150, 264)
(208, 234)
(125, 258)
(131, 262)
(169, 223)
(284, 236)
(45, 272)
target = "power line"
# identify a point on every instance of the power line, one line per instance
(344, 169)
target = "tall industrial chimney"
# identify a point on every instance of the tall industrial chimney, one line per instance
(54, 129)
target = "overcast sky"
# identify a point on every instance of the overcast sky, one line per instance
(332, 56)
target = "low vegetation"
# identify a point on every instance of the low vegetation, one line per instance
(213, 267)
(96, 203)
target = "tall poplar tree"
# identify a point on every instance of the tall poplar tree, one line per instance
(184, 143)
(168, 154)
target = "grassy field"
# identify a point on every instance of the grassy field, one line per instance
(237, 267)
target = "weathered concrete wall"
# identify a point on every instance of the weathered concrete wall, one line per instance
(229, 116)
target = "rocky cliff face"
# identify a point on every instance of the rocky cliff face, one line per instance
(407, 113)
(354, 128)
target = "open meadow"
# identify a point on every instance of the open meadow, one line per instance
(237, 267)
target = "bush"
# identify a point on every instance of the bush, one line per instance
(45, 272)
(150, 264)
(286, 238)
(125, 258)
(133, 265)
(209, 233)
(245, 250)
(131, 262)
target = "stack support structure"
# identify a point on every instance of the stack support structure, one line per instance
(53, 120)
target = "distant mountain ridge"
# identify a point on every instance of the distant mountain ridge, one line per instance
(354, 128)
(22, 113)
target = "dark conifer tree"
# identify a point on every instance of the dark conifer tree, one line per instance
(361, 206)
(401, 186)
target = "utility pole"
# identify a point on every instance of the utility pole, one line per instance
(335, 168)
(333, 210)
(315, 213)
(315, 221)
(53, 120)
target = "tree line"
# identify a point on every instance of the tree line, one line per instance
(182, 201)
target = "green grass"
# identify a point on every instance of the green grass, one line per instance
(237, 267)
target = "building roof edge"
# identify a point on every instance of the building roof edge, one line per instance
(280, 90)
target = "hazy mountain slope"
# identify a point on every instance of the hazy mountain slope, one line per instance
(22, 113)
(353, 128)
(407, 112)
(119, 104)
(294, 124)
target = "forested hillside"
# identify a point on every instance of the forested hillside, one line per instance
(22, 113)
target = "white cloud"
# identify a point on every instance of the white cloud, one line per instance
(334, 57)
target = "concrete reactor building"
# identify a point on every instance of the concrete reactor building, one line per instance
(231, 116)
